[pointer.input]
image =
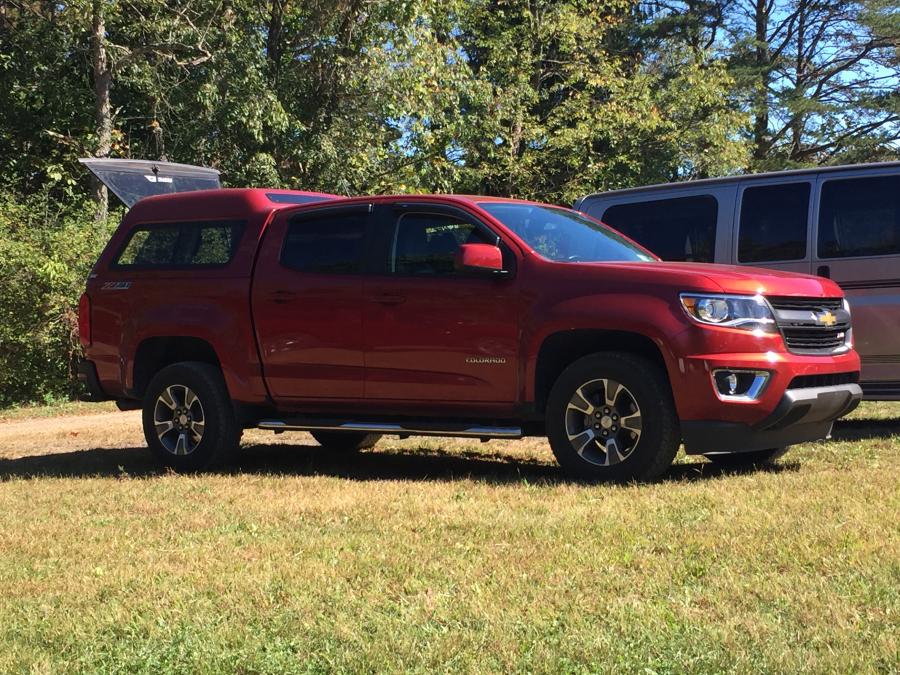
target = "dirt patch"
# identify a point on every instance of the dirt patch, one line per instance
(72, 432)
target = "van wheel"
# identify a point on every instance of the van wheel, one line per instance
(736, 460)
(611, 416)
(189, 421)
(345, 441)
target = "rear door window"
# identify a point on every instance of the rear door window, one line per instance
(329, 244)
(681, 229)
(859, 217)
(773, 224)
(188, 244)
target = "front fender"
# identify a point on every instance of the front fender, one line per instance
(654, 318)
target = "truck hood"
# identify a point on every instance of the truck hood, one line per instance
(728, 278)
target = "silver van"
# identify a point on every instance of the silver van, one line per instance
(841, 222)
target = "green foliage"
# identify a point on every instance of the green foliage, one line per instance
(46, 251)
(546, 99)
(45, 99)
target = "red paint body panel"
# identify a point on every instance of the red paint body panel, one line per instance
(418, 353)
(461, 346)
(208, 304)
(309, 327)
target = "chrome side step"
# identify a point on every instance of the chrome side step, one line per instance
(399, 429)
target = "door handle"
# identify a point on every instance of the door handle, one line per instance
(389, 299)
(824, 271)
(282, 297)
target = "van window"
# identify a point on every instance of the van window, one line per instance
(682, 229)
(860, 217)
(773, 223)
(189, 244)
(330, 244)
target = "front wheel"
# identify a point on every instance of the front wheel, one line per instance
(611, 416)
(737, 460)
(189, 420)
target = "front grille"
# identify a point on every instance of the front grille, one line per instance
(830, 380)
(814, 339)
(812, 304)
(804, 323)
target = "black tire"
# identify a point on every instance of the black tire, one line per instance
(345, 441)
(212, 411)
(737, 460)
(647, 400)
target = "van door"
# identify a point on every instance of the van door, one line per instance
(858, 245)
(773, 223)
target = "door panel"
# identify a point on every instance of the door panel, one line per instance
(858, 245)
(432, 334)
(773, 224)
(307, 305)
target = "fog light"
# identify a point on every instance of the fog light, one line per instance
(732, 380)
(739, 385)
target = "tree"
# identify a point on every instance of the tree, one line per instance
(141, 36)
(819, 78)
(45, 100)
(560, 107)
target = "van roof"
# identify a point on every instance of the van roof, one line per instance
(733, 179)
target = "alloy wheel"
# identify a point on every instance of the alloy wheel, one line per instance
(603, 422)
(179, 419)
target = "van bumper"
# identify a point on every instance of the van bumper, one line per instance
(87, 376)
(801, 416)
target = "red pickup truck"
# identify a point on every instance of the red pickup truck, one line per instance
(221, 310)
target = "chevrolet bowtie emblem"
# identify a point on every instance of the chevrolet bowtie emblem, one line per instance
(826, 318)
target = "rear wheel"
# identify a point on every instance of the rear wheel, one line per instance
(345, 441)
(611, 417)
(736, 460)
(189, 421)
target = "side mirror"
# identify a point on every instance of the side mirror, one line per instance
(479, 259)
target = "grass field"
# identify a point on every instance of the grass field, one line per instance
(442, 555)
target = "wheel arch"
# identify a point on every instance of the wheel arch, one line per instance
(155, 353)
(561, 349)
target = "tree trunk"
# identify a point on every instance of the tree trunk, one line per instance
(102, 114)
(273, 41)
(798, 118)
(761, 143)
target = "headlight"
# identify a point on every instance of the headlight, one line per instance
(745, 312)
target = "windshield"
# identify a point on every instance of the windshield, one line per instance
(564, 235)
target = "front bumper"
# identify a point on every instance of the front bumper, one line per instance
(801, 416)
